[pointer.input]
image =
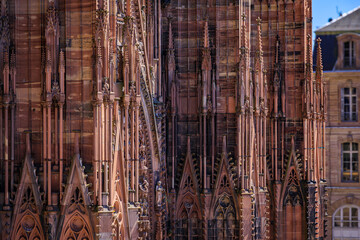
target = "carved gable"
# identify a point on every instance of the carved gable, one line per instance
(188, 204)
(28, 206)
(75, 222)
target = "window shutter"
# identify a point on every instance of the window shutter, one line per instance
(342, 104)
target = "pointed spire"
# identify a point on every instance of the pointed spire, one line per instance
(28, 147)
(12, 60)
(319, 65)
(277, 51)
(6, 73)
(206, 58)
(13, 72)
(48, 58)
(99, 55)
(206, 35)
(62, 71)
(309, 55)
(224, 147)
(170, 52)
(188, 149)
(259, 54)
(62, 60)
(171, 43)
(243, 38)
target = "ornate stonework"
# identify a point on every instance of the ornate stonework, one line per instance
(160, 120)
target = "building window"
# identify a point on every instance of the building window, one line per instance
(346, 223)
(349, 56)
(350, 162)
(349, 106)
(346, 217)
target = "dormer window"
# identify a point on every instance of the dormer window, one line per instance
(349, 56)
(348, 51)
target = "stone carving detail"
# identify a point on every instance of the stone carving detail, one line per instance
(77, 224)
(77, 228)
(159, 194)
(293, 193)
(145, 185)
(118, 226)
(28, 202)
(28, 225)
(76, 203)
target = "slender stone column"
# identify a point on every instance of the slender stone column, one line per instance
(110, 154)
(12, 106)
(61, 157)
(1, 143)
(44, 147)
(126, 154)
(56, 133)
(132, 150)
(6, 157)
(49, 150)
(106, 143)
(100, 162)
(137, 105)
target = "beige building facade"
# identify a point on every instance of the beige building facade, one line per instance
(341, 49)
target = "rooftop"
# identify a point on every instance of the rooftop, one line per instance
(349, 21)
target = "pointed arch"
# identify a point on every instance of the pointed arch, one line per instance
(188, 201)
(224, 186)
(292, 202)
(189, 211)
(292, 179)
(225, 222)
(75, 222)
(28, 206)
(224, 213)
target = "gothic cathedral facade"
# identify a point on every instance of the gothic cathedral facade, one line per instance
(161, 119)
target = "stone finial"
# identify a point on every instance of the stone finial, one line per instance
(319, 64)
